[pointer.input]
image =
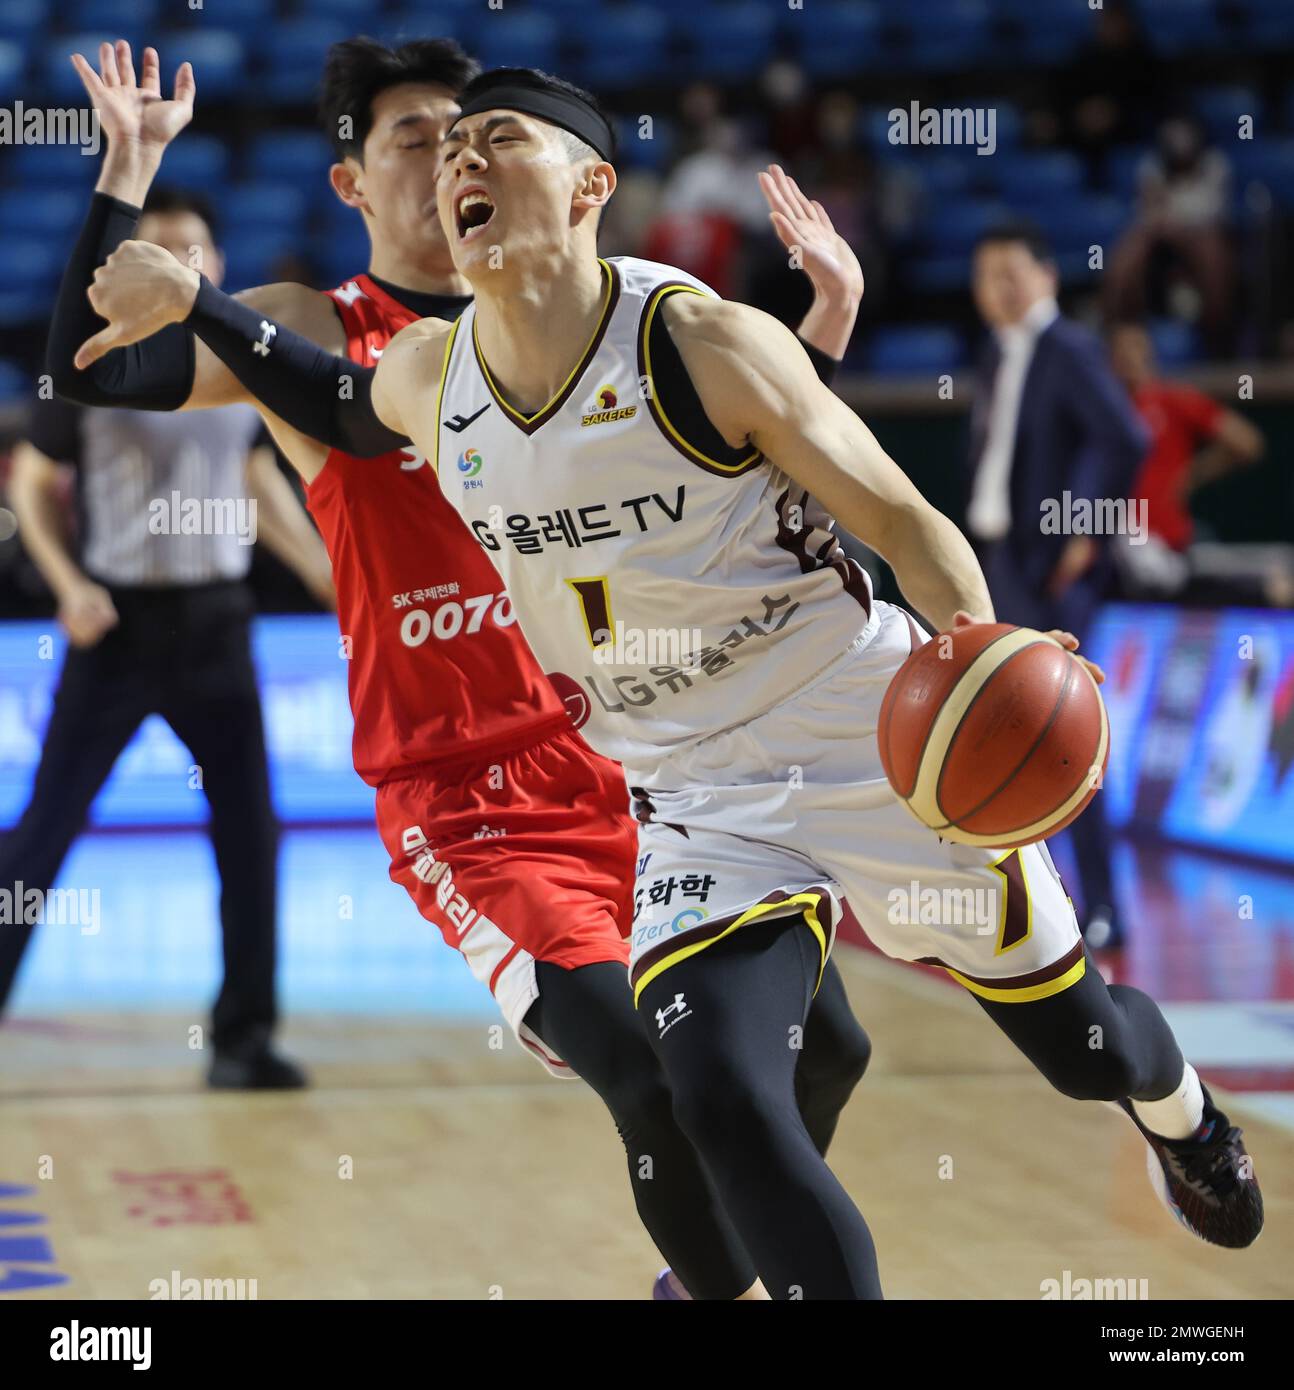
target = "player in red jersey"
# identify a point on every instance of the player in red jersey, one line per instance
(509, 833)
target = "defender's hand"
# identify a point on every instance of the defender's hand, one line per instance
(133, 112)
(139, 289)
(825, 256)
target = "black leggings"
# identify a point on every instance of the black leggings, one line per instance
(1095, 1041)
(725, 1023)
(587, 1017)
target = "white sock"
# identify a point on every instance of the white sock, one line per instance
(1179, 1114)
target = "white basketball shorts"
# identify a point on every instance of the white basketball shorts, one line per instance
(790, 812)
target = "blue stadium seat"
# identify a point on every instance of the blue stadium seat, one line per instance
(297, 157)
(1181, 26)
(640, 53)
(197, 162)
(61, 83)
(517, 38)
(1264, 24)
(396, 29)
(1176, 343)
(269, 208)
(838, 40)
(51, 166)
(219, 58)
(1220, 109)
(957, 224)
(13, 63)
(938, 274)
(44, 212)
(25, 306)
(250, 19)
(1026, 175)
(251, 255)
(15, 384)
(1075, 221)
(1122, 170)
(911, 348)
(292, 57)
(654, 154)
(30, 263)
(123, 15)
(342, 252)
(943, 35)
(357, 14)
(1268, 162)
(729, 42)
(21, 21)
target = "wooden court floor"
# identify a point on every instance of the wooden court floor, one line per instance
(425, 1164)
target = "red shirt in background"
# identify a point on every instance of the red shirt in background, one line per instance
(1180, 420)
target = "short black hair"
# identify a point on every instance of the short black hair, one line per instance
(358, 70)
(537, 81)
(1019, 233)
(165, 198)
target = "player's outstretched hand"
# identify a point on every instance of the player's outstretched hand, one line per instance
(825, 256)
(1066, 640)
(135, 112)
(139, 289)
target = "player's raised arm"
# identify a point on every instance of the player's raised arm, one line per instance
(170, 371)
(758, 386)
(829, 262)
(141, 289)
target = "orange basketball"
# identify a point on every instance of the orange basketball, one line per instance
(994, 735)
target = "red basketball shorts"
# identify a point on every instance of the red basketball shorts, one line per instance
(518, 857)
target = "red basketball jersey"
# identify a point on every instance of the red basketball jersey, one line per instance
(438, 668)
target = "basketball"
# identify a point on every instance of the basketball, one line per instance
(994, 735)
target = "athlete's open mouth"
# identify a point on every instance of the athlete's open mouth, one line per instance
(473, 208)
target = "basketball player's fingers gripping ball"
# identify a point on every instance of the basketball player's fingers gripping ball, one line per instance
(994, 735)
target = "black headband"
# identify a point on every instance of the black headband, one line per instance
(556, 107)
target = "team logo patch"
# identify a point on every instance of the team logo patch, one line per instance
(470, 464)
(606, 407)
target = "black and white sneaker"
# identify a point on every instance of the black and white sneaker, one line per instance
(1208, 1181)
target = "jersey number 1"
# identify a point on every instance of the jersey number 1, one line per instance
(595, 608)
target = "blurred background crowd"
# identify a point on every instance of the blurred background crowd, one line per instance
(1148, 143)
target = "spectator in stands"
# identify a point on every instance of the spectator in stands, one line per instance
(1111, 90)
(1194, 441)
(1182, 215)
(1050, 426)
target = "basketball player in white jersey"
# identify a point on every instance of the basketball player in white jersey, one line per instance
(649, 464)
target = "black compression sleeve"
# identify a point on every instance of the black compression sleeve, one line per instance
(156, 374)
(823, 363)
(329, 398)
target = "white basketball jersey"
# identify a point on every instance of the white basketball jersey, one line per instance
(668, 595)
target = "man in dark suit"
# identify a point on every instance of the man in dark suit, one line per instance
(1052, 430)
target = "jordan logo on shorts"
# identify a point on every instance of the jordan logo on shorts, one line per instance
(680, 1011)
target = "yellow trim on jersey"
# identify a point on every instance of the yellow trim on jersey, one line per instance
(585, 358)
(440, 393)
(658, 298)
(584, 612)
(1023, 994)
(809, 902)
